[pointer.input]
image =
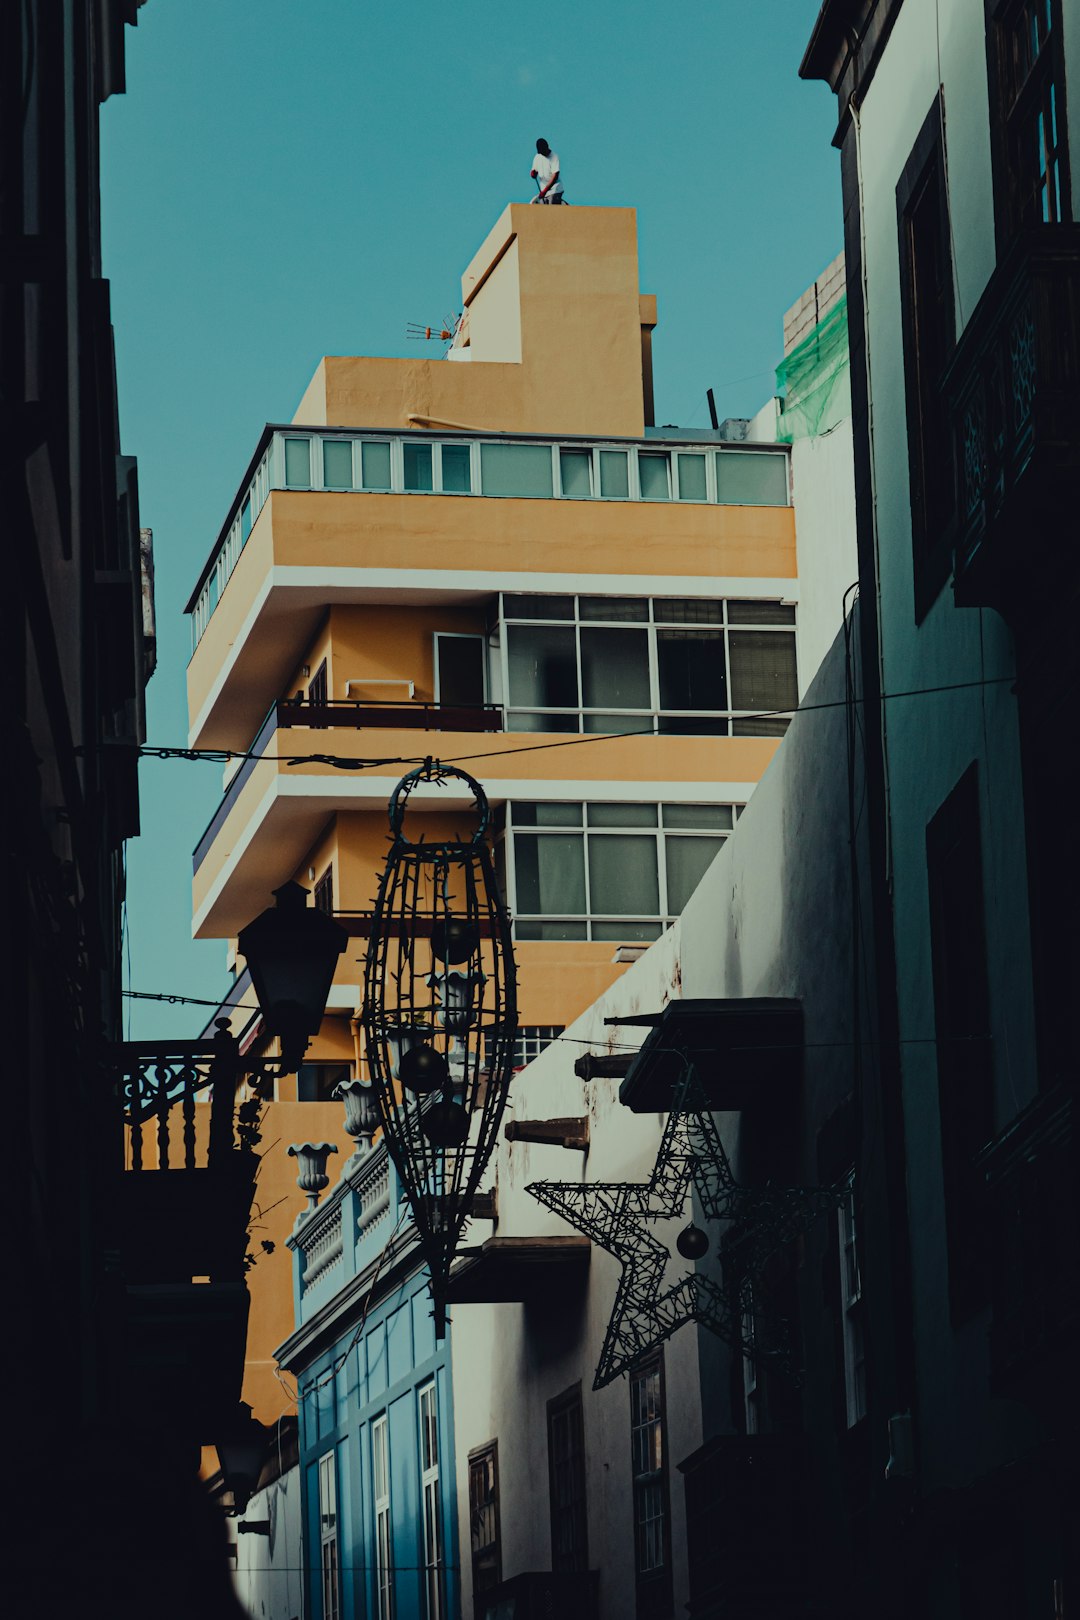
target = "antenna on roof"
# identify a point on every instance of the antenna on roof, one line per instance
(441, 334)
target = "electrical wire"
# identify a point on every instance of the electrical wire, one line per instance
(347, 762)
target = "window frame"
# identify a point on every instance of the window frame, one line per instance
(383, 1523)
(929, 433)
(431, 1528)
(653, 1587)
(329, 1558)
(1008, 110)
(569, 1405)
(724, 722)
(660, 831)
(852, 1310)
(482, 1457)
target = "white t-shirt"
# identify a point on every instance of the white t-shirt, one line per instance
(545, 167)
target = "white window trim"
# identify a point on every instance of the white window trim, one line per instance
(383, 1521)
(431, 1506)
(329, 1560)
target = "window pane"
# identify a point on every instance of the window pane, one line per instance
(692, 478)
(654, 477)
(526, 814)
(763, 671)
(601, 724)
(542, 663)
(417, 459)
(376, 466)
(576, 471)
(538, 607)
(615, 669)
(550, 930)
(297, 464)
(536, 720)
(626, 933)
(769, 726)
(687, 610)
(760, 613)
(688, 859)
(460, 667)
(622, 815)
(746, 479)
(691, 667)
(456, 469)
(614, 477)
(337, 464)
(697, 815)
(620, 609)
(550, 870)
(516, 469)
(622, 876)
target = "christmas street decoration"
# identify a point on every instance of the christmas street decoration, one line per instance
(619, 1216)
(439, 1017)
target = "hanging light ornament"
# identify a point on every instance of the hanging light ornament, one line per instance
(439, 1018)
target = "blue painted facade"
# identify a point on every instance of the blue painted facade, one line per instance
(368, 1372)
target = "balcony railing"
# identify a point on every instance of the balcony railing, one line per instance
(289, 714)
(337, 461)
(745, 1499)
(541, 1595)
(1013, 393)
(1033, 1183)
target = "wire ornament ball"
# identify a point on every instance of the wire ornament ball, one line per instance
(440, 1017)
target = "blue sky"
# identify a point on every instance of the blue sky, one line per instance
(283, 181)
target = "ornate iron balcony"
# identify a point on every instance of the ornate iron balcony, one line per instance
(1032, 1181)
(1013, 393)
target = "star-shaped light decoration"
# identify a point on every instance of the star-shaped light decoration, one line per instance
(618, 1216)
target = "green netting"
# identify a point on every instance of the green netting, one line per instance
(812, 380)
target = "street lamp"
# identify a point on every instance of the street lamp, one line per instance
(291, 951)
(241, 1454)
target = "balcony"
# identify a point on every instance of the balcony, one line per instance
(1013, 394)
(541, 1595)
(183, 1208)
(297, 545)
(1032, 1181)
(746, 1518)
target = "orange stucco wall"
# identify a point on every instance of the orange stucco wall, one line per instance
(578, 334)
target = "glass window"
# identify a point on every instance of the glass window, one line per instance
(763, 671)
(516, 469)
(626, 933)
(622, 815)
(456, 469)
(650, 1487)
(687, 860)
(484, 1518)
(384, 1562)
(615, 669)
(654, 476)
(614, 476)
(692, 478)
(337, 464)
(620, 609)
(760, 613)
(550, 870)
(697, 815)
(622, 875)
(542, 662)
(575, 470)
(328, 1538)
(297, 463)
(375, 458)
(744, 478)
(532, 929)
(690, 664)
(526, 814)
(566, 1473)
(417, 468)
(687, 610)
(538, 607)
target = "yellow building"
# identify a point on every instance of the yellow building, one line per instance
(496, 559)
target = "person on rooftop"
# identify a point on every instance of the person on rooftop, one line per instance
(545, 171)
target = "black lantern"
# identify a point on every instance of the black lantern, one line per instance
(291, 951)
(440, 1013)
(241, 1453)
